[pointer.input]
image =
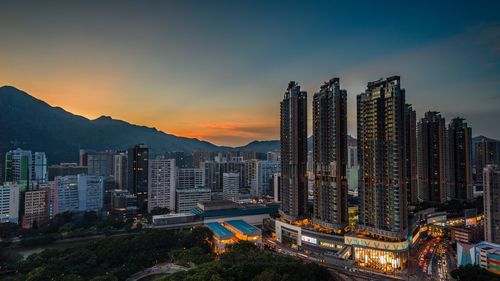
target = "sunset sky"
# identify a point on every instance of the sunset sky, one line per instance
(217, 70)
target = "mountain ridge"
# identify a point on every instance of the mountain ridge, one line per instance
(33, 124)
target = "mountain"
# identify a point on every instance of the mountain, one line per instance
(30, 123)
(261, 146)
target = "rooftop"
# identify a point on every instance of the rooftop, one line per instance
(243, 227)
(219, 230)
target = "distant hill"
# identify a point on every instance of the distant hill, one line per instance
(30, 123)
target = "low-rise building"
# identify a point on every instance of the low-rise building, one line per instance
(187, 199)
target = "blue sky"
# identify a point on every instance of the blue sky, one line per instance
(217, 70)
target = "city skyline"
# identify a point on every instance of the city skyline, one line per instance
(216, 71)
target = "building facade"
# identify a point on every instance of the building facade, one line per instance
(162, 181)
(90, 193)
(330, 155)
(459, 160)
(9, 203)
(138, 158)
(382, 157)
(231, 186)
(432, 158)
(189, 178)
(293, 145)
(121, 171)
(491, 201)
(36, 209)
(187, 199)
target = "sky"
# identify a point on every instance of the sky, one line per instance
(217, 70)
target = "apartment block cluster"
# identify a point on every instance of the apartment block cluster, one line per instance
(131, 182)
(29, 198)
(399, 161)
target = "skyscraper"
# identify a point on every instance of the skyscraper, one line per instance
(491, 203)
(293, 142)
(432, 157)
(382, 158)
(138, 158)
(330, 155)
(459, 160)
(161, 182)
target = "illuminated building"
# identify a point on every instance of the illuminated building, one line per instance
(138, 158)
(222, 237)
(378, 254)
(432, 157)
(330, 155)
(293, 145)
(491, 202)
(459, 160)
(382, 157)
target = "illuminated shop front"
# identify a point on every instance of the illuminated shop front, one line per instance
(383, 256)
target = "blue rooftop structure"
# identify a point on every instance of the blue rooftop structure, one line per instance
(243, 227)
(220, 231)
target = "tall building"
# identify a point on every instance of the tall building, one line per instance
(231, 186)
(161, 182)
(491, 201)
(9, 203)
(189, 178)
(383, 218)
(432, 157)
(411, 154)
(138, 158)
(486, 152)
(264, 177)
(90, 193)
(121, 171)
(382, 157)
(459, 160)
(293, 145)
(330, 155)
